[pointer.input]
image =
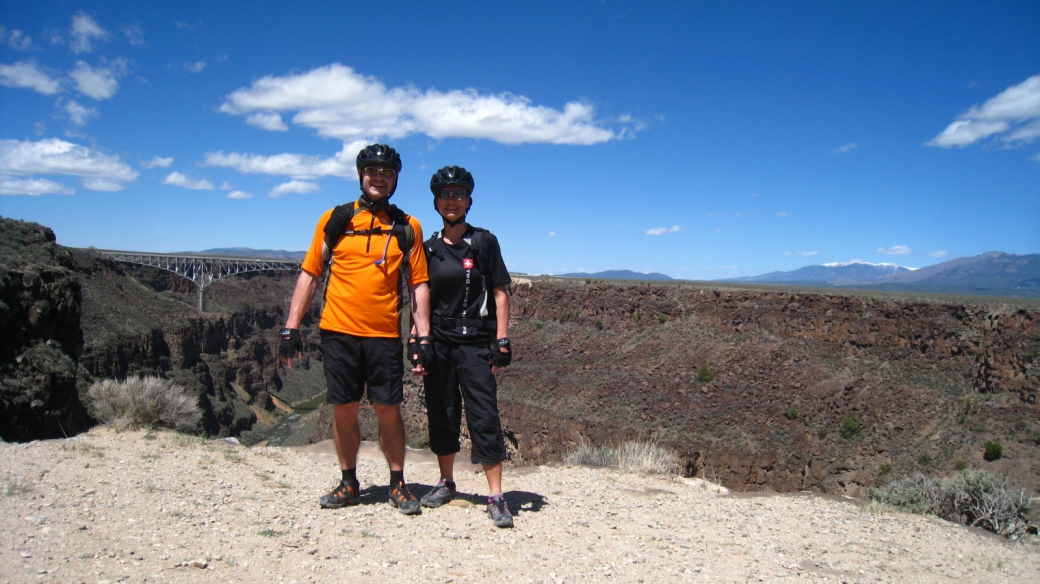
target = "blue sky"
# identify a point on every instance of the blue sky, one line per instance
(702, 140)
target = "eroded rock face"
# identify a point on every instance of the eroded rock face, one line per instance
(927, 382)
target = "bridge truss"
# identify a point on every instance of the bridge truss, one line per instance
(201, 270)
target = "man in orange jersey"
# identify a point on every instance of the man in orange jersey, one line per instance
(366, 248)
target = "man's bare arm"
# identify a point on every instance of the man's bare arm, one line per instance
(302, 297)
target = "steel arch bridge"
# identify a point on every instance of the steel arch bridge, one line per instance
(202, 270)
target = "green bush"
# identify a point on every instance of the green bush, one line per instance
(599, 324)
(142, 403)
(538, 325)
(884, 469)
(994, 450)
(704, 374)
(662, 318)
(959, 464)
(1036, 440)
(822, 433)
(973, 497)
(791, 412)
(850, 427)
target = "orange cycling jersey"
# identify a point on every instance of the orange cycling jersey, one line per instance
(362, 296)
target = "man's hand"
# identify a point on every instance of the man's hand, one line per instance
(290, 346)
(419, 353)
(501, 354)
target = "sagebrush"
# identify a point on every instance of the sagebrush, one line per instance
(972, 497)
(638, 457)
(142, 402)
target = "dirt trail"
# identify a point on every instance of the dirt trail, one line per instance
(168, 508)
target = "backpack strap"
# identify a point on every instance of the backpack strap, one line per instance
(335, 228)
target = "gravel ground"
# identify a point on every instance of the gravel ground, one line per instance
(161, 507)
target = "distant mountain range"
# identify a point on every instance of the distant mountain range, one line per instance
(247, 252)
(618, 275)
(992, 273)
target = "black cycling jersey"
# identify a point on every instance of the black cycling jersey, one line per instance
(459, 287)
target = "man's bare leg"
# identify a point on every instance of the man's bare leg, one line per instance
(346, 434)
(391, 435)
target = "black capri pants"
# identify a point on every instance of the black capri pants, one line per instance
(460, 373)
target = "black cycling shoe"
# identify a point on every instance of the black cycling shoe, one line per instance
(404, 500)
(343, 495)
(443, 493)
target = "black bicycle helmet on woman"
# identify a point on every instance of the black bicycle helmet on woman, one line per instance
(451, 176)
(378, 155)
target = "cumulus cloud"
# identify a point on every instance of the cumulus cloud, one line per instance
(338, 102)
(15, 39)
(938, 254)
(1014, 114)
(101, 82)
(294, 186)
(298, 166)
(32, 186)
(846, 148)
(97, 171)
(179, 180)
(268, 121)
(663, 230)
(78, 113)
(158, 162)
(195, 67)
(239, 195)
(134, 34)
(895, 250)
(84, 32)
(28, 75)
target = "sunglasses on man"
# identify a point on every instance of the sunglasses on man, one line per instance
(376, 171)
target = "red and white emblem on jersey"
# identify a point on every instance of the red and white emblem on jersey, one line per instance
(467, 263)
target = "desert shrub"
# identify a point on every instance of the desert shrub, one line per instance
(1020, 424)
(538, 325)
(599, 324)
(1036, 439)
(704, 374)
(142, 402)
(973, 497)
(850, 427)
(662, 318)
(639, 457)
(639, 315)
(822, 433)
(994, 450)
(791, 412)
(647, 458)
(884, 469)
(960, 464)
(588, 281)
(590, 455)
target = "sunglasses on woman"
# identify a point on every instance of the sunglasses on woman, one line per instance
(457, 195)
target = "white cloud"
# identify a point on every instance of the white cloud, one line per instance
(15, 39)
(552, 234)
(1036, 158)
(134, 34)
(846, 148)
(1015, 112)
(158, 162)
(782, 214)
(716, 231)
(226, 186)
(895, 250)
(100, 83)
(939, 254)
(54, 156)
(297, 166)
(32, 186)
(338, 102)
(27, 74)
(294, 186)
(179, 180)
(78, 113)
(663, 230)
(267, 121)
(195, 67)
(84, 32)
(808, 254)
(239, 195)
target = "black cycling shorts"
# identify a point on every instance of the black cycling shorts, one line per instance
(461, 374)
(353, 362)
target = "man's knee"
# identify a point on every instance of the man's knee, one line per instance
(387, 413)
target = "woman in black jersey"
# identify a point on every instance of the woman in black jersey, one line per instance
(469, 312)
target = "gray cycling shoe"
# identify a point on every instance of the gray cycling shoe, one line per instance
(404, 500)
(499, 511)
(443, 493)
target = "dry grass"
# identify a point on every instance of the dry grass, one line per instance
(634, 457)
(142, 402)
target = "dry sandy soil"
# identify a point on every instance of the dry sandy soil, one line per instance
(164, 507)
